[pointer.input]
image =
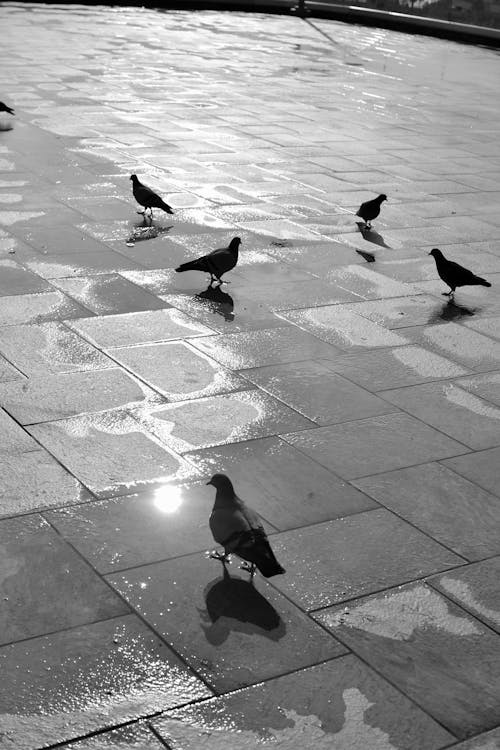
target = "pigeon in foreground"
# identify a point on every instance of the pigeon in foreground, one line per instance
(239, 529)
(5, 108)
(216, 263)
(147, 197)
(371, 209)
(453, 274)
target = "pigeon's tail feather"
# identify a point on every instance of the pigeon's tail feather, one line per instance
(260, 554)
(481, 282)
(165, 207)
(192, 265)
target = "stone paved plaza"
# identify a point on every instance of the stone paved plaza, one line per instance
(354, 407)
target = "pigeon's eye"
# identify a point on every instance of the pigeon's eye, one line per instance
(168, 499)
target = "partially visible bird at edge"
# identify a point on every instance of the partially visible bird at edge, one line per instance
(239, 530)
(216, 263)
(369, 210)
(148, 198)
(454, 274)
(5, 108)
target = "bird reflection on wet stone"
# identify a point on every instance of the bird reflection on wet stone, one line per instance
(220, 302)
(235, 604)
(451, 311)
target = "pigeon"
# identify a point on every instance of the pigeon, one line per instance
(5, 108)
(147, 197)
(453, 274)
(371, 209)
(216, 263)
(239, 529)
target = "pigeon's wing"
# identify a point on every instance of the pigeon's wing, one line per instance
(227, 524)
(144, 195)
(460, 275)
(221, 260)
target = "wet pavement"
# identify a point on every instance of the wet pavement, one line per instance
(354, 407)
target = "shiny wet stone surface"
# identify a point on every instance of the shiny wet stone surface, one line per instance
(455, 658)
(233, 633)
(354, 407)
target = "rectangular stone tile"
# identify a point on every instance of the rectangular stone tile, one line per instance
(139, 328)
(452, 410)
(393, 368)
(38, 308)
(8, 373)
(342, 559)
(486, 386)
(481, 467)
(42, 399)
(50, 347)
(323, 706)
(110, 453)
(376, 444)
(239, 351)
(292, 295)
(64, 265)
(484, 741)
(137, 736)
(108, 293)
(14, 439)
(223, 312)
(343, 328)
(475, 588)
(60, 687)
(178, 371)
(446, 506)
(488, 326)
(400, 312)
(469, 348)
(216, 420)
(368, 284)
(313, 390)
(125, 532)
(281, 483)
(50, 239)
(35, 480)
(17, 280)
(45, 585)
(439, 656)
(231, 631)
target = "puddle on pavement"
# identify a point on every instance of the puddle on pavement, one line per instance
(398, 615)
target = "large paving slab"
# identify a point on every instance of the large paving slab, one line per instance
(431, 649)
(340, 703)
(354, 407)
(34, 603)
(233, 632)
(61, 686)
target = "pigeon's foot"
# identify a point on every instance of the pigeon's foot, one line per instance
(249, 567)
(448, 294)
(221, 556)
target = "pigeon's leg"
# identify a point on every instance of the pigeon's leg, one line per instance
(250, 568)
(449, 294)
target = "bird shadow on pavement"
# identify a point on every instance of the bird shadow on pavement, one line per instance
(233, 604)
(451, 311)
(218, 301)
(370, 235)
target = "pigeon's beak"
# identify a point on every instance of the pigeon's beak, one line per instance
(429, 253)
(209, 482)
